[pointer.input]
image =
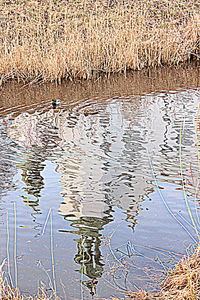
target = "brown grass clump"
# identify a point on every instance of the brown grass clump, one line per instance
(9, 293)
(58, 39)
(182, 283)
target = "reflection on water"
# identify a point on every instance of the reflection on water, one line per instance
(32, 178)
(88, 254)
(93, 155)
(117, 167)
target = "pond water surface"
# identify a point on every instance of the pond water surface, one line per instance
(101, 195)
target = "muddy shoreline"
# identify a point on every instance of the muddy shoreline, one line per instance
(135, 82)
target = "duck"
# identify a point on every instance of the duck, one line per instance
(55, 102)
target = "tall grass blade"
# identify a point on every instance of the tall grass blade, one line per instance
(8, 248)
(15, 245)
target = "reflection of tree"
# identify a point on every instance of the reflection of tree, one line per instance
(39, 134)
(31, 176)
(88, 254)
(7, 172)
(7, 166)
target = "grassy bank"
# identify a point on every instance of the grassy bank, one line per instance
(58, 39)
(182, 283)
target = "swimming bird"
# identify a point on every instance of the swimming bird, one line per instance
(55, 102)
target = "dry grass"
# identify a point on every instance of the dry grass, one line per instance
(9, 293)
(58, 39)
(182, 283)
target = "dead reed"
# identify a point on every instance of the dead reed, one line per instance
(182, 283)
(52, 40)
(9, 293)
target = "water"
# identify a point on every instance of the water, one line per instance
(101, 195)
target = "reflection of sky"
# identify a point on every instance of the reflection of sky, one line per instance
(109, 161)
(103, 159)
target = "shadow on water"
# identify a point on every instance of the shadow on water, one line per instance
(104, 161)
